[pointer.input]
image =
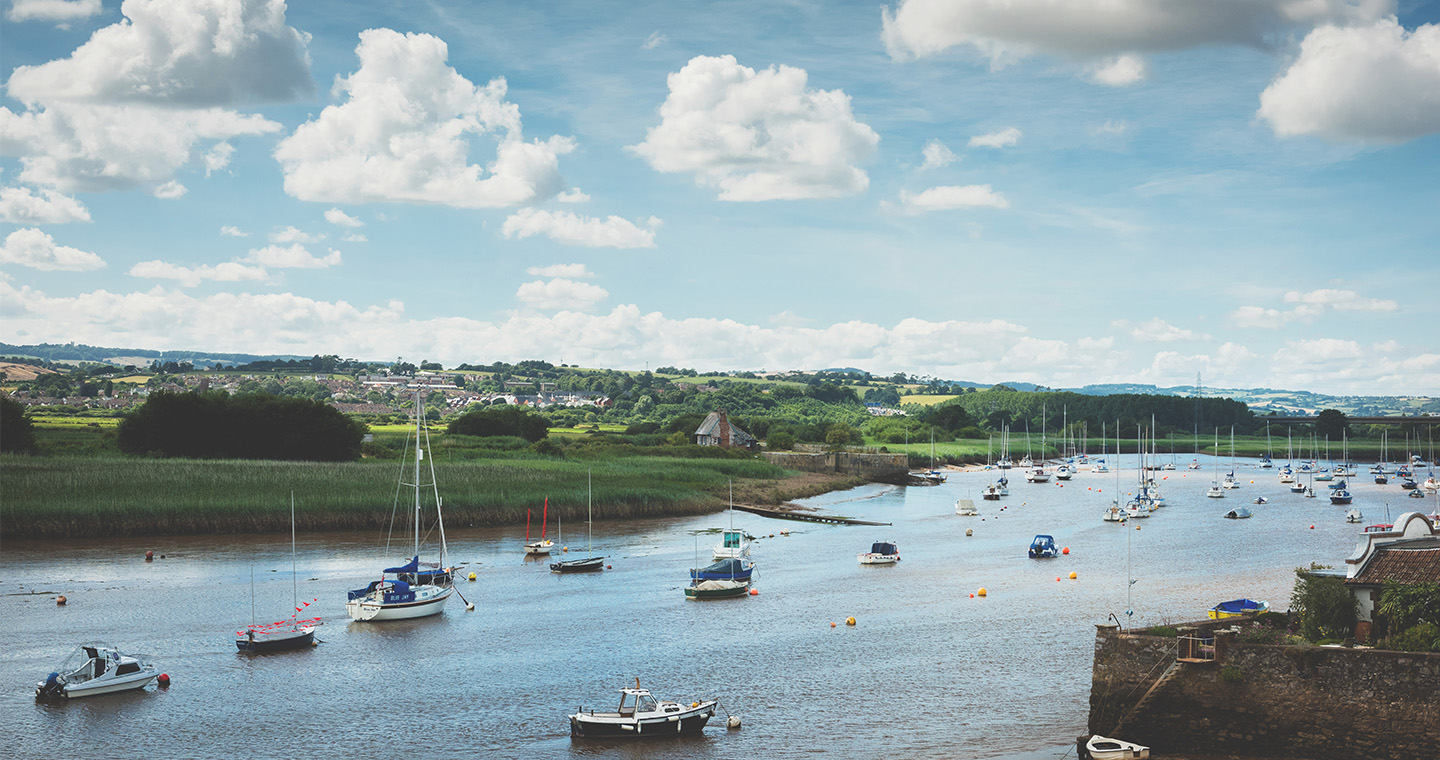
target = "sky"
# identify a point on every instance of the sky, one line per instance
(1063, 192)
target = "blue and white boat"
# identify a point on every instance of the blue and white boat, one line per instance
(1340, 496)
(724, 570)
(414, 589)
(1043, 547)
(1238, 607)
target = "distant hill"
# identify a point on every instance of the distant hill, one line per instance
(79, 352)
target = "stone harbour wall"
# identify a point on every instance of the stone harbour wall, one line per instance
(1271, 701)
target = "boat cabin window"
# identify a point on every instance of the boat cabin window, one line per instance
(127, 667)
(647, 704)
(732, 540)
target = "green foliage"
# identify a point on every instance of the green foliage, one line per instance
(1260, 633)
(215, 425)
(1322, 604)
(780, 441)
(1407, 604)
(1231, 674)
(1159, 630)
(501, 420)
(17, 434)
(1332, 424)
(1421, 637)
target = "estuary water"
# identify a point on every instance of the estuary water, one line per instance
(927, 671)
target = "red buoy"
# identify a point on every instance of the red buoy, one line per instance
(1066, 550)
(149, 556)
(163, 680)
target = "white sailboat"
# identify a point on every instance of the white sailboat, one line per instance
(1230, 482)
(543, 546)
(1215, 491)
(414, 589)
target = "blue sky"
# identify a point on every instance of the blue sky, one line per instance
(1055, 192)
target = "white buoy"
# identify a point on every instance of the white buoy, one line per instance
(732, 722)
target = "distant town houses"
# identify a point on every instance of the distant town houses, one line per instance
(877, 410)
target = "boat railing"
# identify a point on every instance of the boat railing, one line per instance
(1195, 649)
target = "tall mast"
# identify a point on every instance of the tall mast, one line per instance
(294, 582)
(419, 455)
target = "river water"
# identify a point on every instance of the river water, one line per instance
(928, 671)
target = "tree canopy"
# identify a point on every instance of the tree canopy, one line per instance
(215, 425)
(17, 434)
(501, 420)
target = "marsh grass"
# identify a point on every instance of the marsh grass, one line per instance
(72, 496)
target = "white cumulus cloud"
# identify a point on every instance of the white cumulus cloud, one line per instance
(62, 12)
(231, 230)
(758, 135)
(937, 155)
(656, 39)
(1340, 300)
(190, 53)
(355, 237)
(1158, 330)
(32, 248)
(170, 190)
(1003, 139)
(574, 229)
(337, 217)
(948, 197)
(218, 157)
(561, 293)
(291, 257)
(1375, 83)
(1119, 71)
(570, 271)
(229, 271)
(573, 195)
(291, 234)
(403, 132)
(21, 205)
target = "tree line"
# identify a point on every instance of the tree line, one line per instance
(216, 425)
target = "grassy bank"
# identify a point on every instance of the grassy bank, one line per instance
(104, 496)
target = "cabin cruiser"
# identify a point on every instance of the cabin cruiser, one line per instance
(881, 553)
(96, 669)
(641, 715)
(1043, 547)
(733, 545)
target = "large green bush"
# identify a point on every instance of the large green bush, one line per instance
(1324, 607)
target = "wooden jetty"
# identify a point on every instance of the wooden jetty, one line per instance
(798, 514)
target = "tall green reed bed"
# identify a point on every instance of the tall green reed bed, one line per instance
(89, 496)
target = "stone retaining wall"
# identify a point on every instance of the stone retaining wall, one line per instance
(1270, 701)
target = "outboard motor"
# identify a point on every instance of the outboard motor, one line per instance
(51, 687)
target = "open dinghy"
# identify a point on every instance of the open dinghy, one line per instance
(1105, 748)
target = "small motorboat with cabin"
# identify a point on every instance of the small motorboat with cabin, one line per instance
(1105, 748)
(1237, 607)
(1114, 514)
(966, 508)
(641, 715)
(1043, 547)
(1214, 492)
(96, 669)
(733, 545)
(991, 492)
(1354, 516)
(881, 553)
(1239, 513)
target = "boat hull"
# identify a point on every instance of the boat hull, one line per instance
(284, 641)
(612, 726)
(587, 565)
(727, 591)
(373, 611)
(115, 685)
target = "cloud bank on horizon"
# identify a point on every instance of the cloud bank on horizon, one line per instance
(1063, 193)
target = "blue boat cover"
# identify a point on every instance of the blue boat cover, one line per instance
(409, 567)
(1239, 605)
(883, 547)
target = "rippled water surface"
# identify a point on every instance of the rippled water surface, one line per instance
(928, 671)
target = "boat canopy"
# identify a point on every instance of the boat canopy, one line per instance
(883, 547)
(1241, 605)
(1043, 542)
(725, 567)
(412, 566)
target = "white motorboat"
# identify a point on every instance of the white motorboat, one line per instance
(1064, 472)
(1114, 513)
(641, 715)
(991, 492)
(881, 553)
(966, 508)
(1354, 516)
(1105, 748)
(1037, 475)
(1215, 492)
(733, 545)
(96, 669)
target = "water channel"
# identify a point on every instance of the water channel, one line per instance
(928, 671)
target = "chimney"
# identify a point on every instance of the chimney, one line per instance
(724, 430)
